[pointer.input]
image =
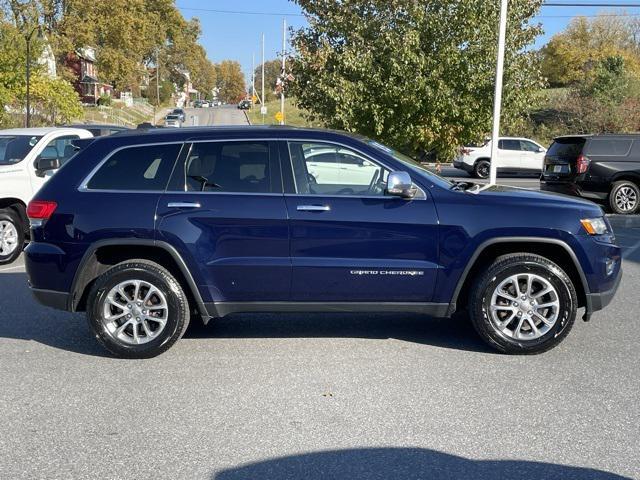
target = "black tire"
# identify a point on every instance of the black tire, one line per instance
(10, 216)
(482, 169)
(624, 198)
(500, 270)
(177, 309)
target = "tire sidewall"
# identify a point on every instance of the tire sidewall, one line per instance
(561, 328)
(9, 215)
(177, 311)
(616, 187)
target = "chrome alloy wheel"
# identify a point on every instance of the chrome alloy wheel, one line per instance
(626, 199)
(524, 307)
(135, 312)
(8, 238)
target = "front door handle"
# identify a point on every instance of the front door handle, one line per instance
(314, 208)
(183, 205)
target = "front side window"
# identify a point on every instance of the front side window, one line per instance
(61, 148)
(136, 168)
(235, 167)
(326, 169)
(13, 148)
(528, 146)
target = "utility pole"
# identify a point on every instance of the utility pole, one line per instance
(263, 108)
(253, 78)
(284, 56)
(158, 78)
(497, 102)
(28, 38)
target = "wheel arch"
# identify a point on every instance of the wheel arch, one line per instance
(17, 206)
(555, 250)
(103, 254)
(629, 176)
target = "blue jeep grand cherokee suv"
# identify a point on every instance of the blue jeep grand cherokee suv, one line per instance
(144, 231)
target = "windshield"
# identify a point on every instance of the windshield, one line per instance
(411, 163)
(568, 147)
(172, 117)
(13, 148)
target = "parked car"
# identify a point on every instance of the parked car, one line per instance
(599, 167)
(146, 232)
(332, 165)
(244, 105)
(28, 157)
(515, 155)
(198, 104)
(205, 104)
(100, 130)
(180, 113)
(173, 120)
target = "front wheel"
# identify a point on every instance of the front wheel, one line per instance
(137, 309)
(523, 304)
(11, 236)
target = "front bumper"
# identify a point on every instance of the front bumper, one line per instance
(598, 301)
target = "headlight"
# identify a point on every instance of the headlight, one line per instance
(594, 226)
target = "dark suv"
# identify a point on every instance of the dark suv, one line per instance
(147, 231)
(598, 167)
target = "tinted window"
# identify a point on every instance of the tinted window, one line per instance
(348, 174)
(14, 148)
(569, 148)
(610, 147)
(241, 167)
(509, 144)
(136, 168)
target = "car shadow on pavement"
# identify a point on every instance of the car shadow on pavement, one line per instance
(404, 464)
(455, 333)
(22, 318)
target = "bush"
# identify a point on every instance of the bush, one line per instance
(104, 100)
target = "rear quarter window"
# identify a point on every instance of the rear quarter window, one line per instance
(136, 168)
(606, 147)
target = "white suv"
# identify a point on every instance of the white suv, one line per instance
(520, 155)
(28, 157)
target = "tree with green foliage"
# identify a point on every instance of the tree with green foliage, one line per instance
(272, 69)
(416, 75)
(230, 81)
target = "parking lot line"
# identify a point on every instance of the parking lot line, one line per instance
(15, 267)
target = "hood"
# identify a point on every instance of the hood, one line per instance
(535, 198)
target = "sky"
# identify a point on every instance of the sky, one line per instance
(237, 36)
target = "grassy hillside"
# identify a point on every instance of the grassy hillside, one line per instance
(293, 115)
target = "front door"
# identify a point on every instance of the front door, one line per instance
(509, 154)
(349, 241)
(224, 210)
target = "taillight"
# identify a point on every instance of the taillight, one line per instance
(41, 210)
(582, 164)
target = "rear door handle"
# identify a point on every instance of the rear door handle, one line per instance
(183, 205)
(314, 208)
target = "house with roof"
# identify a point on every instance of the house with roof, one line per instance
(82, 63)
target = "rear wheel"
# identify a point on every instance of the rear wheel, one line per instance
(482, 169)
(624, 197)
(523, 304)
(137, 309)
(11, 236)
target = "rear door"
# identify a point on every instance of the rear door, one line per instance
(349, 241)
(224, 211)
(509, 151)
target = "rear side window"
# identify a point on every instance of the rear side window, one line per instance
(606, 147)
(509, 144)
(136, 168)
(569, 148)
(240, 167)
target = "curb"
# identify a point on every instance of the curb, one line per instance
(624, 221)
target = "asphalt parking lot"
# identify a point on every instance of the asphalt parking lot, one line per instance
(319, 396)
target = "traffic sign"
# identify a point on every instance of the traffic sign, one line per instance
(263, 110)
(254, 99)
(279, 116)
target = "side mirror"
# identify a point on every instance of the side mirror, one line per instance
(541, 150)
(46, 164)
(399, 184)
